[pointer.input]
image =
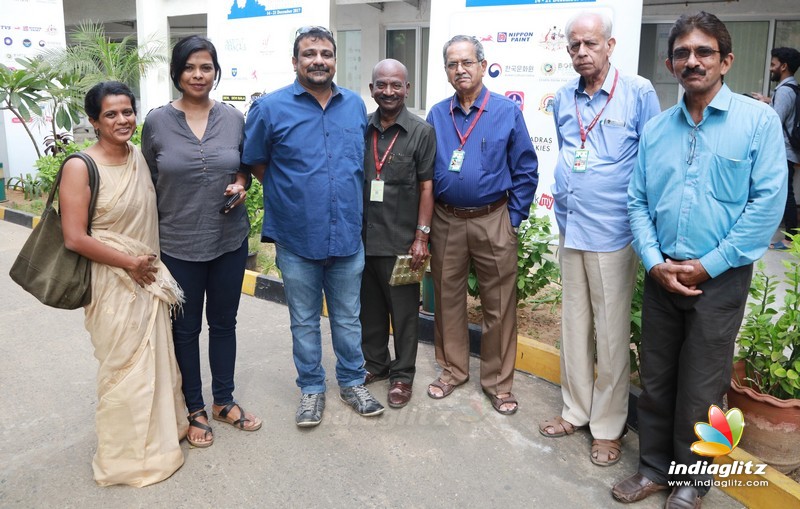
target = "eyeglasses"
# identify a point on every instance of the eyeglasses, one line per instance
(699, 53)
(307, 29)
(692, 145)
(466, 64)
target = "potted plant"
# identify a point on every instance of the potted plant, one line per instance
(254, 202)
(766, 377)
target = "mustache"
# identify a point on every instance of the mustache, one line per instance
(314, 68)
(690, 71)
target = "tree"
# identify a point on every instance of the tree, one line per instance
(20, 93)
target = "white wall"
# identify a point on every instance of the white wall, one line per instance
(747, 9)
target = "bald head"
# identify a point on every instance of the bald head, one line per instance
(390, 66)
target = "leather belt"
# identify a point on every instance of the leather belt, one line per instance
(473, 212)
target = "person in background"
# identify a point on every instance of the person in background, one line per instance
(599, 118)
(703, 202)
(398, 204)
(783, 65)
(139, 415)
(192, 146)
(485, 177)
(305, 142)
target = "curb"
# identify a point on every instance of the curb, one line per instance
(543, 361)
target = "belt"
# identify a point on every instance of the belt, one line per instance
(473, 212)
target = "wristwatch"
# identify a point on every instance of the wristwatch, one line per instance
(424, 228)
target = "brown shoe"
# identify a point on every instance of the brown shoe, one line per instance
(374, 378)
(399, 394)
(684, 497)
(634, 488)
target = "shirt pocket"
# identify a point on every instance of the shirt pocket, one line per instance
(399, 170)
(493, 155)
(730, 179)
(353, 144)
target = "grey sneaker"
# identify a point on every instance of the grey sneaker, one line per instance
(361, 400)
(309, 413)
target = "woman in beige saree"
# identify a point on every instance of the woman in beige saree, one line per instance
(140, 405)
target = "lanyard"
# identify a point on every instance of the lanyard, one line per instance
(585, 132)
(464, 137)
(379, 163)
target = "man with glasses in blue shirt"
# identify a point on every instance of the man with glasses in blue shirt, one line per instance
(485, 176)
(599, 118)
(704, 200)
(305, 142)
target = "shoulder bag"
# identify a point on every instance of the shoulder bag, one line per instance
(58, 277)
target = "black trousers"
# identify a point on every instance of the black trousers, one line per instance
(790, 212)
(380, 303)
(686, 362)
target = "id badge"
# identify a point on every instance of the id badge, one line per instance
(376, 191)
(581, 160)
(457, 160)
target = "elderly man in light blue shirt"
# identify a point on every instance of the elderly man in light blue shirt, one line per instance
(599, 117)
(704, 200)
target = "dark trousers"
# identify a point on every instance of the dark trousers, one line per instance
(219, 283)
(790, 213)
(686, 361)
(381, 302)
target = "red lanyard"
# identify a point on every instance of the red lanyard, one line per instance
(464, 137)
(379, 163)
(585, 132)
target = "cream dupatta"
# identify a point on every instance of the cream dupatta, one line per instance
(140, 412)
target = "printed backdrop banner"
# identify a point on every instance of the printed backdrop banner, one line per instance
(254, 41)
(526, 53)
(26, 27)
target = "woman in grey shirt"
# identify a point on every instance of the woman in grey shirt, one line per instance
(192, 146)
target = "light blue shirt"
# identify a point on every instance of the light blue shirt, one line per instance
(723, 207)
(592, 207)
(783, 101)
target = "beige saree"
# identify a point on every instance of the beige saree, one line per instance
(140, 411)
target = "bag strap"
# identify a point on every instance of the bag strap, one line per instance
(94, 184)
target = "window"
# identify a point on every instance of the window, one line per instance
(410, 46)
(348, 60)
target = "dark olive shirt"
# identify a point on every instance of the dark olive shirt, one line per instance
(390, 225)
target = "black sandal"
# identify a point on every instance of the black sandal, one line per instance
(194, 423)
(222, 416)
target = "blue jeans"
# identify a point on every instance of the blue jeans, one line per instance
(219, 283)
(304, 281)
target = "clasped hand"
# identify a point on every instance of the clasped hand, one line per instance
(144, 271)
(680, 277)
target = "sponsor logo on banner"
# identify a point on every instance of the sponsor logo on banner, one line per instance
(234, 71)
(518, 98)
(546, 103)
(502, 36)
(41, 44)
(27, 43)
(546, 201)
(554, 39)
(517, 37)
(520, 69)
(236, 45)
(486, 38)
(552, 71)
(495, 70)
(541, 143)
(8, 41)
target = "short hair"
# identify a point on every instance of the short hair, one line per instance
(605, 22)
(788, 56)
(93, 102)
(465, 38)
(183, 50)
(312, 33)
(706, 23)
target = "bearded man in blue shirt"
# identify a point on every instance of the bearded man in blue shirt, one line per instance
(485, 176)
(305, 142)
(703, 202)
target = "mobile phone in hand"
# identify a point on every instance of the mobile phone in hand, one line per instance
(229, 203)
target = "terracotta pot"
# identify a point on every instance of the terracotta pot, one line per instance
(772, 425)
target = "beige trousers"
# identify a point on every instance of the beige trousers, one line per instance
(595, 320)
(491, 244)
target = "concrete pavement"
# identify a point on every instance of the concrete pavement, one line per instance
(457, 452)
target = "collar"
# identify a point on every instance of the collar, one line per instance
(786, 81)
(403, 120)
(720, 102)
(608, 83)
(475, 105)
(298, 89)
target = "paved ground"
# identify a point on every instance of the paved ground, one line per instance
(456, 452)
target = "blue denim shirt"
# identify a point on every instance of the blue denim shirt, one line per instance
(499, 158)
(723, 207)
(314, 178)
(591, 207)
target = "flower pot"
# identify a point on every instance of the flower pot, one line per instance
(772, 425)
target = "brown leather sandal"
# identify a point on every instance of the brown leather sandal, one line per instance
(447, 389)
(560, 427)
(606, 452)
(240, 422)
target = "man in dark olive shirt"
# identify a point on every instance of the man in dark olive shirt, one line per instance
(398, 203)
